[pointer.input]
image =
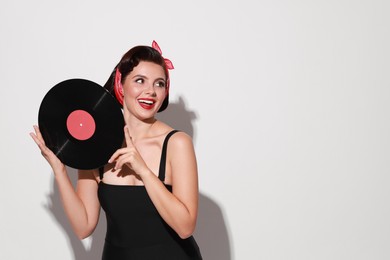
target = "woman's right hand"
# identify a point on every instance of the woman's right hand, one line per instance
(48, 154)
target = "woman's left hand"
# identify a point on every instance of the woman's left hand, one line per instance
(129, 156)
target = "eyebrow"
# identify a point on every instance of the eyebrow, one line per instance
(145, 77)
(139, 75)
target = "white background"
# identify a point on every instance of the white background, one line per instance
(287, 103)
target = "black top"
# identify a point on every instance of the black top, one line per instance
(135, 230)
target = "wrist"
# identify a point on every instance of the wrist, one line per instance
(146, 174)
(59, 171)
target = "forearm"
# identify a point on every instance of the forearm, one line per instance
(73, 206)
(174, 212)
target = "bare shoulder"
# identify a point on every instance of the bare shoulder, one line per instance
(182, 164)
(180, 140)
(180, 147)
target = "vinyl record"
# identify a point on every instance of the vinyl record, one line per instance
(82, 123)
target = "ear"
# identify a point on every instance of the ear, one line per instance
(118, 88)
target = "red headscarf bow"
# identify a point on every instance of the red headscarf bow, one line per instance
(168, 63)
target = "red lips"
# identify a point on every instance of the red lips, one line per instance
(147, 103)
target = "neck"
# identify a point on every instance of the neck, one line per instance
(140, 129)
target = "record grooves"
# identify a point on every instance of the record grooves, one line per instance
(82, 123)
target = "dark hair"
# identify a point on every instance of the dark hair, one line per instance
(130, 60)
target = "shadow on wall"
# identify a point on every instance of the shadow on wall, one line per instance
(211, 233)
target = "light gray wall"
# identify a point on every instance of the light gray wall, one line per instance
(287, 102)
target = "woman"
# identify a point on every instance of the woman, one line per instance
(149, 188)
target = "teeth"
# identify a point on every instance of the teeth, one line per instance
(146, 101)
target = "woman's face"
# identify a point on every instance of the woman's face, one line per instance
(145, 89)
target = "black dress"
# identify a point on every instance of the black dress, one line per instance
(135, 230)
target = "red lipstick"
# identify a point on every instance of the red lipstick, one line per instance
(147, 103)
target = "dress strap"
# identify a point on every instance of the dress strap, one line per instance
(101, 173)
(161, 172)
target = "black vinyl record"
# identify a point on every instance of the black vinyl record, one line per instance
(82, 123)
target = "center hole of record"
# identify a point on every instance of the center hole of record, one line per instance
(80, 125)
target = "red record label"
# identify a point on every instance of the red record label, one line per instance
(80, 125)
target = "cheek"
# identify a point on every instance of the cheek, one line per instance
(162, 91)
(130, 90)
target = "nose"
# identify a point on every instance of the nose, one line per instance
(150, 90)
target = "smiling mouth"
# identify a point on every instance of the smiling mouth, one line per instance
(146, 102)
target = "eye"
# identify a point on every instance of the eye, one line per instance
(160, 84)
(139, 80)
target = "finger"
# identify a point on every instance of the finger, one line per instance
(129, 141)
(35, 138)
(38, 134)
(115, 155)
(124, 159)
(41, 145)
(118, 164)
